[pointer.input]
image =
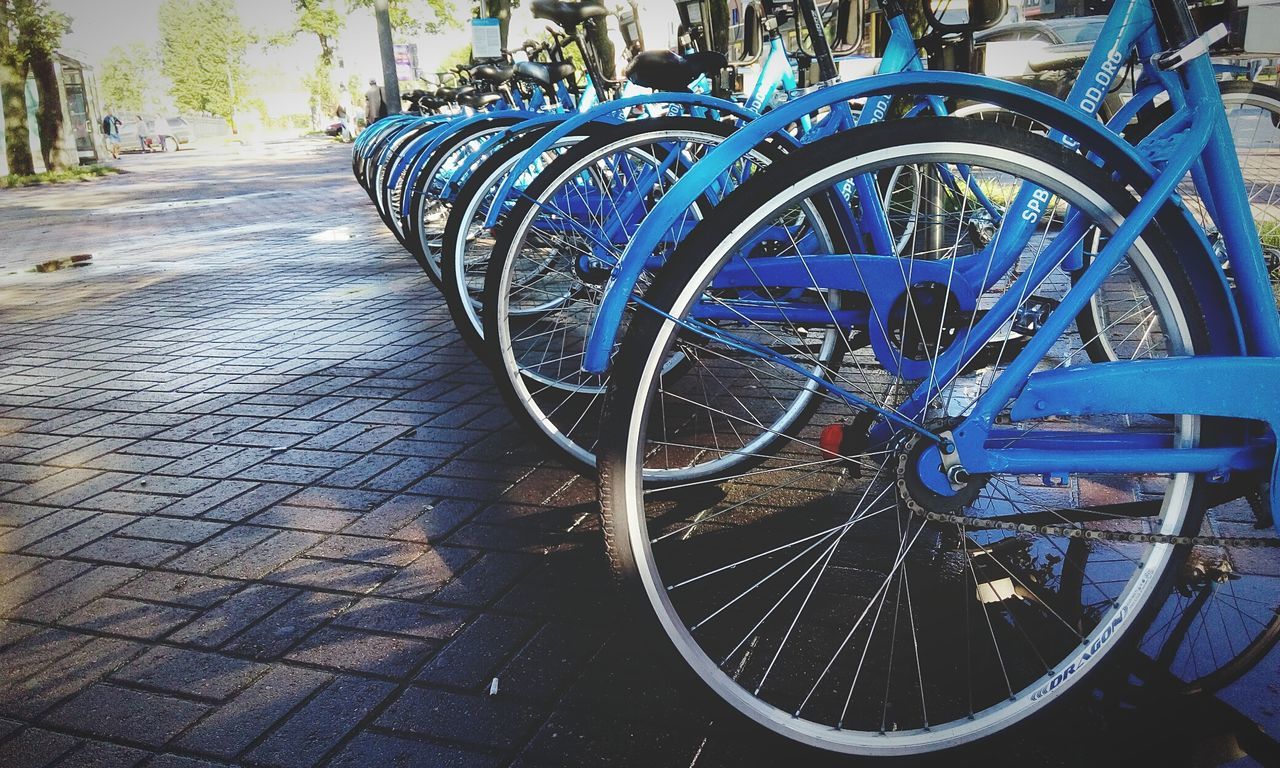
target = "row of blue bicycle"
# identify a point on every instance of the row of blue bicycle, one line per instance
(913, 395)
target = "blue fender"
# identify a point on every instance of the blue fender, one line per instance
(383, 138)
(415, 157)
(490, 145)
(1094, 138)
(378, 129)
(607, 113)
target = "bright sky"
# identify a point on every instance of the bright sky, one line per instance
(100, 25)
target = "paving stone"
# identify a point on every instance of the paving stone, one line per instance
(403, 617)
(470, 660)
(135, 717)
(35, 748)
(212, 554)
(36, 530)
(29, 651)
(369, 749)
(45, 687)
(125, 551)
(29, 585)
(368, 550)
(179, 761)
(391, 516)
(597, 739)
(80, 534)
(322, 723)
(86, 587)
(481, 720)
(271, 553)
(129, 618)
(219, 624)
(231, 728)
(306, 518)
(486, 579)
(279, 631)
(178, 588)
(209, 498)
(328, 574)
(168, 529)
(426, 575)
(124, 501)
(100, 754)
(545, 666)
(193, 674)
(356, 651)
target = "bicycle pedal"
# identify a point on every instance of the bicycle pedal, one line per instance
(1032, 314)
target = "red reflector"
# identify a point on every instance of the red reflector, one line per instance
(830, 440)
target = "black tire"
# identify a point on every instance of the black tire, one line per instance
(509, 244)
(650, 337)
(415, 227)
(453, 275)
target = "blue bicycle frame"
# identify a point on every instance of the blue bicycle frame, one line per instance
(1196, 139)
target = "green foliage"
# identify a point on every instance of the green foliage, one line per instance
(459, 55)
(128, 80)
(202, 49)
(319, 18)
(416, 17)
(30, 31)
(319, 84)
(39, 27)
(79, 173)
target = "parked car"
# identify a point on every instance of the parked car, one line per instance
(179, 132)
(334, 129)
(164, 134)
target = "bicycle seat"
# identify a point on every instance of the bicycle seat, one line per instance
(545, 75)
(567, 15)
(666, 71)
(479, 100)
(496, 73)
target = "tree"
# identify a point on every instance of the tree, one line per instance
(13, 91)
(128, 79)
(317, 17)
(406, 15)
(202, 48)
(40, 31)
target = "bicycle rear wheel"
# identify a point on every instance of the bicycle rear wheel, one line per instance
(552, 260)
(810, 593)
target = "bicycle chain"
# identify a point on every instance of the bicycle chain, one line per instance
(904, 496)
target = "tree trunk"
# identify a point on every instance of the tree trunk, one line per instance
(16, 137)
(13, 78)
(49, 115)
(501, 10)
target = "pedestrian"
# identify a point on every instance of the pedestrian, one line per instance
(343, 113)
(142, 133)
(111, 132)
(374, 105)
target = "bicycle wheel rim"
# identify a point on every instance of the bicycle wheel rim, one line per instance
(627, 482)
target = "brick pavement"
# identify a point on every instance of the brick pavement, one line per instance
(259, 507)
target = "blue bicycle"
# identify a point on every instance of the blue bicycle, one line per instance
(942, 513)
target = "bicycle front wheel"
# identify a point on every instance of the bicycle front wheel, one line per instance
(812, 592)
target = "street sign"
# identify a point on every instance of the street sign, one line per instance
(406, 61)
(486, 39)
